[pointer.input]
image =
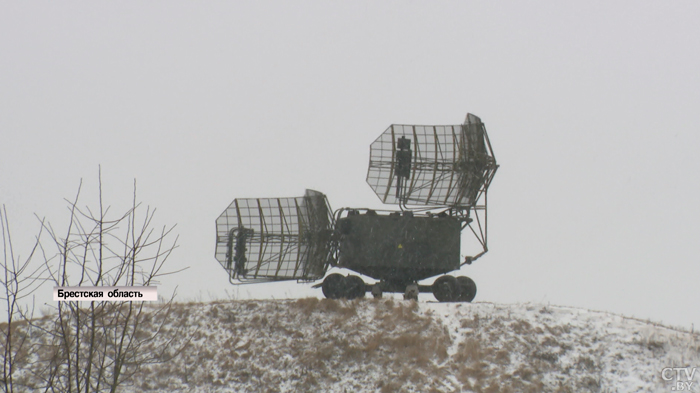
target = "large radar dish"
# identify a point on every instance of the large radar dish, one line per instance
(274, 239)
(442, 165)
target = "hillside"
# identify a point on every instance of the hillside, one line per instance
(390, 345)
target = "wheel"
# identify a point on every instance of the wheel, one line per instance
(445, 289)
(467, 288)
(354, 287)
(333, 286)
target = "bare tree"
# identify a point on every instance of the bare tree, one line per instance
(19, 281)
(96, 346)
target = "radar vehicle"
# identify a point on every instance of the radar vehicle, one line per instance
(437, 175)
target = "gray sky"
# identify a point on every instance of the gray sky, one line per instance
(591, 107)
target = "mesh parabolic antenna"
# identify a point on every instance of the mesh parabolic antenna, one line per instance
(443, 165)
(268, 239)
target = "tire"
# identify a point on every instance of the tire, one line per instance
(467, 289)
(446, 289)
(354, 287)
(333, 286)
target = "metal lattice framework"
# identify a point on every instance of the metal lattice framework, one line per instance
(267, 239)
(450, 165)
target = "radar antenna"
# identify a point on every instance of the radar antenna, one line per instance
(450, 165)
(271, 239)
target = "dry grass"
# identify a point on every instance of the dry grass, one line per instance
(310, 344)
(471, 351)
(395, 339)
(520, 327)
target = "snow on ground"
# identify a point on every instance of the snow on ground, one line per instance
(570, 349)
(391, 345)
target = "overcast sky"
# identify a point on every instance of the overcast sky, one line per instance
(592, 109)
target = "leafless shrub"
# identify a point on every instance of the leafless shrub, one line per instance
(18, 281)
(97, 346)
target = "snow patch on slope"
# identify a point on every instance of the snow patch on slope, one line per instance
(391, 346)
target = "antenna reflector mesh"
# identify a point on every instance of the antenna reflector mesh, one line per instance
(451, 165)
(268, 239)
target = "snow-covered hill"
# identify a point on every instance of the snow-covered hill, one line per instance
(397, 346)
(391, 345)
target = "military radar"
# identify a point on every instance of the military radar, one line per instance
(438, 176)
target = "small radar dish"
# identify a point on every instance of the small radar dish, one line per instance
(441, 165)
(272, 239)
